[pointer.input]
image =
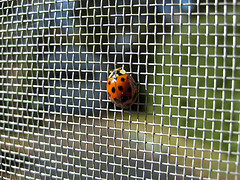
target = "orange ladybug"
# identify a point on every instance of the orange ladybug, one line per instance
(122, 89)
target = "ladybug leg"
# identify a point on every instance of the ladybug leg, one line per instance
(111, 74)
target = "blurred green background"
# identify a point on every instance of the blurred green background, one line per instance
(195, 83)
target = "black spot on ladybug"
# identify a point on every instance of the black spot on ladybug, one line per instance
(122, 79)
(124, 98)
(134, 96)
(129, 104)
(117, 100)
(113, 90)
(109, 94)
(120, 88)
(129, 89)
(109, 82)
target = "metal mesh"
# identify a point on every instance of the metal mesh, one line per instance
(56, 120)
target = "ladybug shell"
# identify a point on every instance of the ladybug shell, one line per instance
(122, 90)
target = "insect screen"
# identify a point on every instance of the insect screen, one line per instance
(57, 121)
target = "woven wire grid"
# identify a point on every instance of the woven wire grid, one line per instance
(56, 120)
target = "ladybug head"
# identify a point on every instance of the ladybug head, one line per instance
(117, 72)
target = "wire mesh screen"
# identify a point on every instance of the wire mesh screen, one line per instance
(57, 121)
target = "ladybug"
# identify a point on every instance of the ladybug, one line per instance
(122, 89)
